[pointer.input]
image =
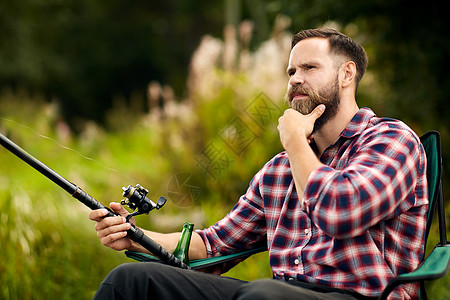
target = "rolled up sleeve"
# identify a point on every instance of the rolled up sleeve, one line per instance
(376, 183)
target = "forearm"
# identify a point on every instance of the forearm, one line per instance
(303, 161)
(295, 134)
(169, 241)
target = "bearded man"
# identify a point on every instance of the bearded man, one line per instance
(341, 210)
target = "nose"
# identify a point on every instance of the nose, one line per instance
(296, 79)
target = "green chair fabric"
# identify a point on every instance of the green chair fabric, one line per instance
(198, 264)
(436, 265)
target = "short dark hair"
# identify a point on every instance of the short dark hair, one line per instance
(340, 44)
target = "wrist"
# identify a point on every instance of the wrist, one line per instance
(296, 144)
(136, 247)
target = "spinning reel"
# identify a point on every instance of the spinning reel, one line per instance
(136, 199)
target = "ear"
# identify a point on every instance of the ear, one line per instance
(348, 73)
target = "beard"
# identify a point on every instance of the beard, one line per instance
(328, 95)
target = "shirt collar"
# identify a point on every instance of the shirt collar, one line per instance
(358, 123)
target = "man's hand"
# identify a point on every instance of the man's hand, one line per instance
(293, 126)
(112, 231)
(295, 135)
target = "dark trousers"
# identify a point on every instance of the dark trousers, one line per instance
(158, 281)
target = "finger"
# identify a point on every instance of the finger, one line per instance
(288, 112)
(112, 238)
(109, 222)
(280, 119)
(318, 111)
(108, 230)
(98, 214)
(119, 209)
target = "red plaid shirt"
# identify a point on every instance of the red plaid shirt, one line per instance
(360, 222)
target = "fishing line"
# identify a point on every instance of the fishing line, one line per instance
(136, 196)
(33, 131)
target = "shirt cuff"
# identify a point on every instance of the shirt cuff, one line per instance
(202, 234)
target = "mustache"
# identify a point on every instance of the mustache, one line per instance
(297, 89)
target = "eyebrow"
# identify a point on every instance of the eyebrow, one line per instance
(303, 65)
(289, 69)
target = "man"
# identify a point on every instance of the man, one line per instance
(342, 210)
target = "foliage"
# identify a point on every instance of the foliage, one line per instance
(200, 154)
(62, 61)
(84, 53)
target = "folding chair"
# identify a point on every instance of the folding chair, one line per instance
(434, 266)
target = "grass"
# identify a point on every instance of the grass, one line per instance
(201, 154)
(50, 246)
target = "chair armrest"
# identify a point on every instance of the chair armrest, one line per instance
(435, 266)
(197, 264)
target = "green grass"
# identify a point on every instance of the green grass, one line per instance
(49, 246)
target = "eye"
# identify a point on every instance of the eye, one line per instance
(290, 72)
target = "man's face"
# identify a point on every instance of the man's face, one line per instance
(313, 79)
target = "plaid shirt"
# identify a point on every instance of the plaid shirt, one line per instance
(360, 221)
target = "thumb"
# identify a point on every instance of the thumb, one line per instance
(318, 111)
(119, 209)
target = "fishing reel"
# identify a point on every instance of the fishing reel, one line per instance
(136, 199)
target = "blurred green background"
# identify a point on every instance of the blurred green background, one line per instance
(183, 98)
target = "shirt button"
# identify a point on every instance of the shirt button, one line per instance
(306, 231)
(296, 261)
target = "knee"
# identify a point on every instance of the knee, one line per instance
(114, 286)
(130, 281)
(121, 273)
(259, 289)
(133, 272)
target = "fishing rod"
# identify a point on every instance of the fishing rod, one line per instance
(136, 199)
